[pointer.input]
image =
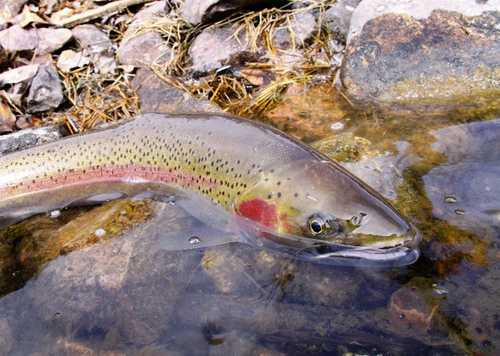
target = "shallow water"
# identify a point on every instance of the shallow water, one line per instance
(123, 293)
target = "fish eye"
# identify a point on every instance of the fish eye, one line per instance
(320, 226)
(316, 225)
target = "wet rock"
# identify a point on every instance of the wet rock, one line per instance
(463, 190)
(234, 343)
(54, 235)
(314, 285)
(144, 50)
(118, 292)
(413, 310)
(64, 346)
(157, 96)
(384, 172)
(6, 337)
(479, 307)
(424, 57)
(196, 11)
(15, 39)
(213, 48)
(159, 350)
(51, 39)
(46, 90)
(226, 265)
(28, 138)
(344, 147)
(338, 16)
(70, 59)
(303, 326)
(19, 74)
(308, 112)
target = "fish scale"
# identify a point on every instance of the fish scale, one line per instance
(152, 148)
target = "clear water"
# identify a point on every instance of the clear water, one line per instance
(123, 294)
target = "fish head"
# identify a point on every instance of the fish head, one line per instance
(319, 201)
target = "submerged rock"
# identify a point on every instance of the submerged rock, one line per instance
(430, 57)
(238, 343)
(384, 172)
(464, 191)
(117, 292)
(157, 96)
(46, 90)
(414, 310)
(6, 337)
(307, 112)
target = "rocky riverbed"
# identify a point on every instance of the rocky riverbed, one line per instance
(405, 94)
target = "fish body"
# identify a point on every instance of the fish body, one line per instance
(249, 169)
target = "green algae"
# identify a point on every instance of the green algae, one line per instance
(475, 96)
(345, 147)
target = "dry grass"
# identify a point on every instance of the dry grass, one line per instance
(97, 98)
(255, 31)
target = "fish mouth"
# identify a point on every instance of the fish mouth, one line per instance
(401, 254)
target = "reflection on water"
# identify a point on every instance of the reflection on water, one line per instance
(122, 293)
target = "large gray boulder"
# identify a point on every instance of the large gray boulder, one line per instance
(424, 57)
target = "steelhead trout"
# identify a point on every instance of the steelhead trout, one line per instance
(295, 195)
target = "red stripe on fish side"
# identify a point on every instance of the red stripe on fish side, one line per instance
(104, 174)
(260, 211)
